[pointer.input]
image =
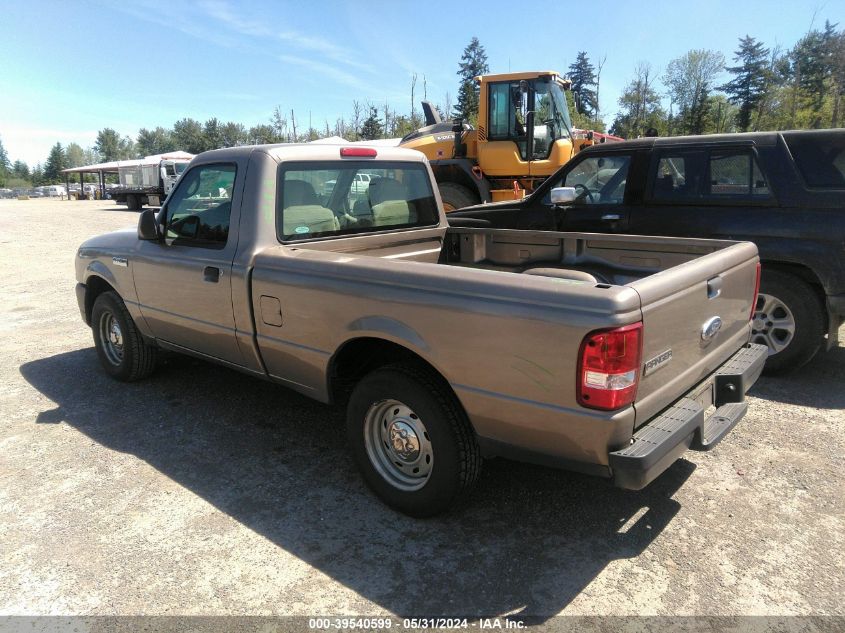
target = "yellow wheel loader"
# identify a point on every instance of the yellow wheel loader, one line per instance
(523, 135)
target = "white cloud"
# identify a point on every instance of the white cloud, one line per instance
(222, 12)
(324, 70)
(32, 144)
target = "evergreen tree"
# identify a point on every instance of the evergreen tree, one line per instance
(108, 145)
(212, 134)
(583, 77)
(371, 129)
(5, 165)
(21, 170)
(812, 66)
(233, 134)
(74, 155)
(262, 134)
(188, 136)
(37, 175)
(473, 63)
(748, 87)
(56, 162)
(155, 141)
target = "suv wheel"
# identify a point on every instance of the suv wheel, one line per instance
(788, 319)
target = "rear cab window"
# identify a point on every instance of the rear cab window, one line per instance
(820, 158)
(319, 199)
(707, 175)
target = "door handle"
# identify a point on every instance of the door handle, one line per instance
(611, 217)
(212, 274)
(714, 287)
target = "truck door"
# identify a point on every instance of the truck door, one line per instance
(601, 184)
(184, 282)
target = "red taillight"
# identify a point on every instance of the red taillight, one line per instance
(360, 152)
(756, 292)
(609, 367)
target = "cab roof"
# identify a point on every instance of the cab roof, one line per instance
(316, 151)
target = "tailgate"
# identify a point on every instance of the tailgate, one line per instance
(695, 316)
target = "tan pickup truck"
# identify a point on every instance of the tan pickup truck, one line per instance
(606, 354)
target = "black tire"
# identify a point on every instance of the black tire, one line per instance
(133, 203)
(456, 196)
(456, 458)
(133, 359)
(792, 299)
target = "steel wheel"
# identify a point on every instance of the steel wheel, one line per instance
(112, 337)
(773, 324)
(398, 445)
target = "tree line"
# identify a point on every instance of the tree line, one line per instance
(764, 88)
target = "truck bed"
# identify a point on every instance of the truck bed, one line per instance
(477, 290)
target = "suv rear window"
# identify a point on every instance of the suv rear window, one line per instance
(323, 199)
(820, 157)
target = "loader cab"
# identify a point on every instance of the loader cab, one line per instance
(524, 127)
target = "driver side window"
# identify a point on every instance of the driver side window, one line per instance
(599, 179)
(199, 210)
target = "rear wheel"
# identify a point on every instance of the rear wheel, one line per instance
(456, 196)
(123, 352)
(788, 319)
(133, 203)
(412, 440)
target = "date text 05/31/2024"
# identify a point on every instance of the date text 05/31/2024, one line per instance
(413, 623)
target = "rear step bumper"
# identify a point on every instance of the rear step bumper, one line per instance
(657, 444)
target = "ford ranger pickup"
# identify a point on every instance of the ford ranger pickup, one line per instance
(605, 354)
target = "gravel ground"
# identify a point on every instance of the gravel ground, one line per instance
(203, 491)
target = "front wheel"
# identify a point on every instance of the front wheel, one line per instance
(123, 352)
(412, 440)
(788, 319)
(456, 196)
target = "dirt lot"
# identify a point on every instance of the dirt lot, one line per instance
(202, 491)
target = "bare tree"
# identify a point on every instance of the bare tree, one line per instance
(279, 123)
(293, 123)
(599, 66)
(357, 112)
(413, 87)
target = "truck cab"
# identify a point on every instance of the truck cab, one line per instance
(170, 171)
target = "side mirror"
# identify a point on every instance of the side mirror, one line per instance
(563, 195)
(148, 226)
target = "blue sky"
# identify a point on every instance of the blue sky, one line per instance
(68, 69)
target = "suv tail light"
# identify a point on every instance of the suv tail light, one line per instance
(756, 292)
(609, 367)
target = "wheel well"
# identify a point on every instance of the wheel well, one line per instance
(457, 176)
(804, 274)
(360, 356)
(95, 286)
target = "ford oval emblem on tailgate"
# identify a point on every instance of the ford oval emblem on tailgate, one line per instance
(711, 328)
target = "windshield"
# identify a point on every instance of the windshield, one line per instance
(551, 110)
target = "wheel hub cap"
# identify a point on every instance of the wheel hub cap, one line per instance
(406, 444)
(398, 445)
(773, 324)
(115, 336)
